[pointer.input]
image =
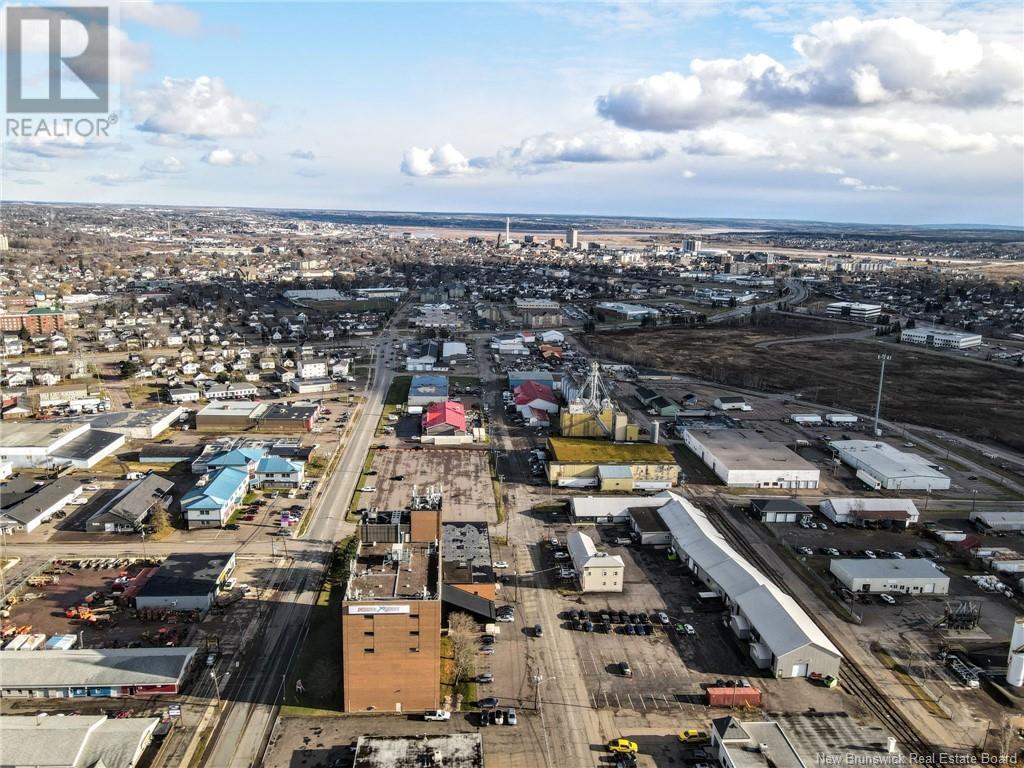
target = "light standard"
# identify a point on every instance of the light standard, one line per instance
(216, 688)
(881, 379)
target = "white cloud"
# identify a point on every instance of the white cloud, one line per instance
(302, 154)
(441, 161)
(720, 142)
(937, 136)
(843, 63)
(168, 164)
(860, 186)
(117, 179)
(202, 108)
(229, 158)
(688, 174)
(598, 147)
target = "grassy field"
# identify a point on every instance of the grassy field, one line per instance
(942, 391)
(466, 688)
(319, 662)
(398, 392)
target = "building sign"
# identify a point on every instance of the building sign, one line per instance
(376, 610)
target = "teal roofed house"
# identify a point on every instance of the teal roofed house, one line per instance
(210, 503)
(239, 458)
(279, 472)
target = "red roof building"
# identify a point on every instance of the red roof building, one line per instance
(536, 395)
(447, 418)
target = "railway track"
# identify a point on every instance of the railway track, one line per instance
(854, 679)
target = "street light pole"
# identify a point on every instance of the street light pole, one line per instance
(881, 381)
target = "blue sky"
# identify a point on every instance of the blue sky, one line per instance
(884, 112)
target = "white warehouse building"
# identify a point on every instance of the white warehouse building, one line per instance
(597, 571)
(900, 513)
(910, 577)
(854, 310)
(779, 634)
(742, 457)
(879, 465)
(941, 337)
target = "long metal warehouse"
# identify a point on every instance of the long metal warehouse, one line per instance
(780, 635)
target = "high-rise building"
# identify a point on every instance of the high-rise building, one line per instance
(572, 238)
(692, 245)
(3, 243)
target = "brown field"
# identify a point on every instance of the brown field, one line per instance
(975, 400)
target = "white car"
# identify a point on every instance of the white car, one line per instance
(899, 555)
(688, 629)
(501, 564)
(833, 551)
(437, 715)
(510, 718)
(886, 598)
(869, 554)
(561, 555)
(505, 618)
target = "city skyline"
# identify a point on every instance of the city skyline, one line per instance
(872, 113)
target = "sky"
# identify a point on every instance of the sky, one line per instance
(883, 112)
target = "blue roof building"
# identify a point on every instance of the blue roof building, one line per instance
(211, 504)
(425, 389)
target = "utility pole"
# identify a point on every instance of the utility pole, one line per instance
(881, 381)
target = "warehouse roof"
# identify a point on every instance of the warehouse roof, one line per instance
(133, 503)
(867, 507)
(582, 451)
(886, 568)
(85, 741)
(185, 575)
(779, 505)
(741, 449)
(884, 460)
(229, 408)
(780, 622)
(116, 421)
(95, 667)
(466, 553)
(88, 444)
(586, 507)
(36, 434)
(44, 499)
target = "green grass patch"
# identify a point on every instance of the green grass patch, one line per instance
(398, 392)
(318, 665)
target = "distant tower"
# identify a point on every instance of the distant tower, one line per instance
(508, 231)
(692, 245)
(3, 243)
(572, 238)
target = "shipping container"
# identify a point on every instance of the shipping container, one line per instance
(16, 642)
(733, 697)
(61, 642)
(33, 643)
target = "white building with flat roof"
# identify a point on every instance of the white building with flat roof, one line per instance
(742, 457)
(899, 513)
(1006, 520)
(609, 509)
(914, 576)
(943, 338)
(881, 466)
(854, 310)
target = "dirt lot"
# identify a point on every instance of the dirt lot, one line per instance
(923, 388)
(464, 474)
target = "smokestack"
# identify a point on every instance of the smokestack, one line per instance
(890, 745)
(508, 231)
(655, 431)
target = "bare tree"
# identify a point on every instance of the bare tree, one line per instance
(462, 634)
(160, 519)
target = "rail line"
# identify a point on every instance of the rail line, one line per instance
(854, 678)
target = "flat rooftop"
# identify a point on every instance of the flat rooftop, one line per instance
(886, 460)
(88, 444)
(573, 450)
(384, 570)
(466, 553)
(454, 750)
(187, 574)
(866, 568)
(35, 434)
(229, 408)
(746, 449)
(108, 667)
(134, 419)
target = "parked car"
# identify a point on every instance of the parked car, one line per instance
(624, 669)
(688, 629)
(538, 630)
(437, 715)
(886, 598)
(485, 678)
(510, 717)
(488, 702)
(623, 745)
(501, 564)
(663, 618)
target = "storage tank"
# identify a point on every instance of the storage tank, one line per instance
(1015, 663)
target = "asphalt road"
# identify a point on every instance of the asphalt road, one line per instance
(251, 699)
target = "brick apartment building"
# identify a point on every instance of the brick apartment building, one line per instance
(38, 320)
